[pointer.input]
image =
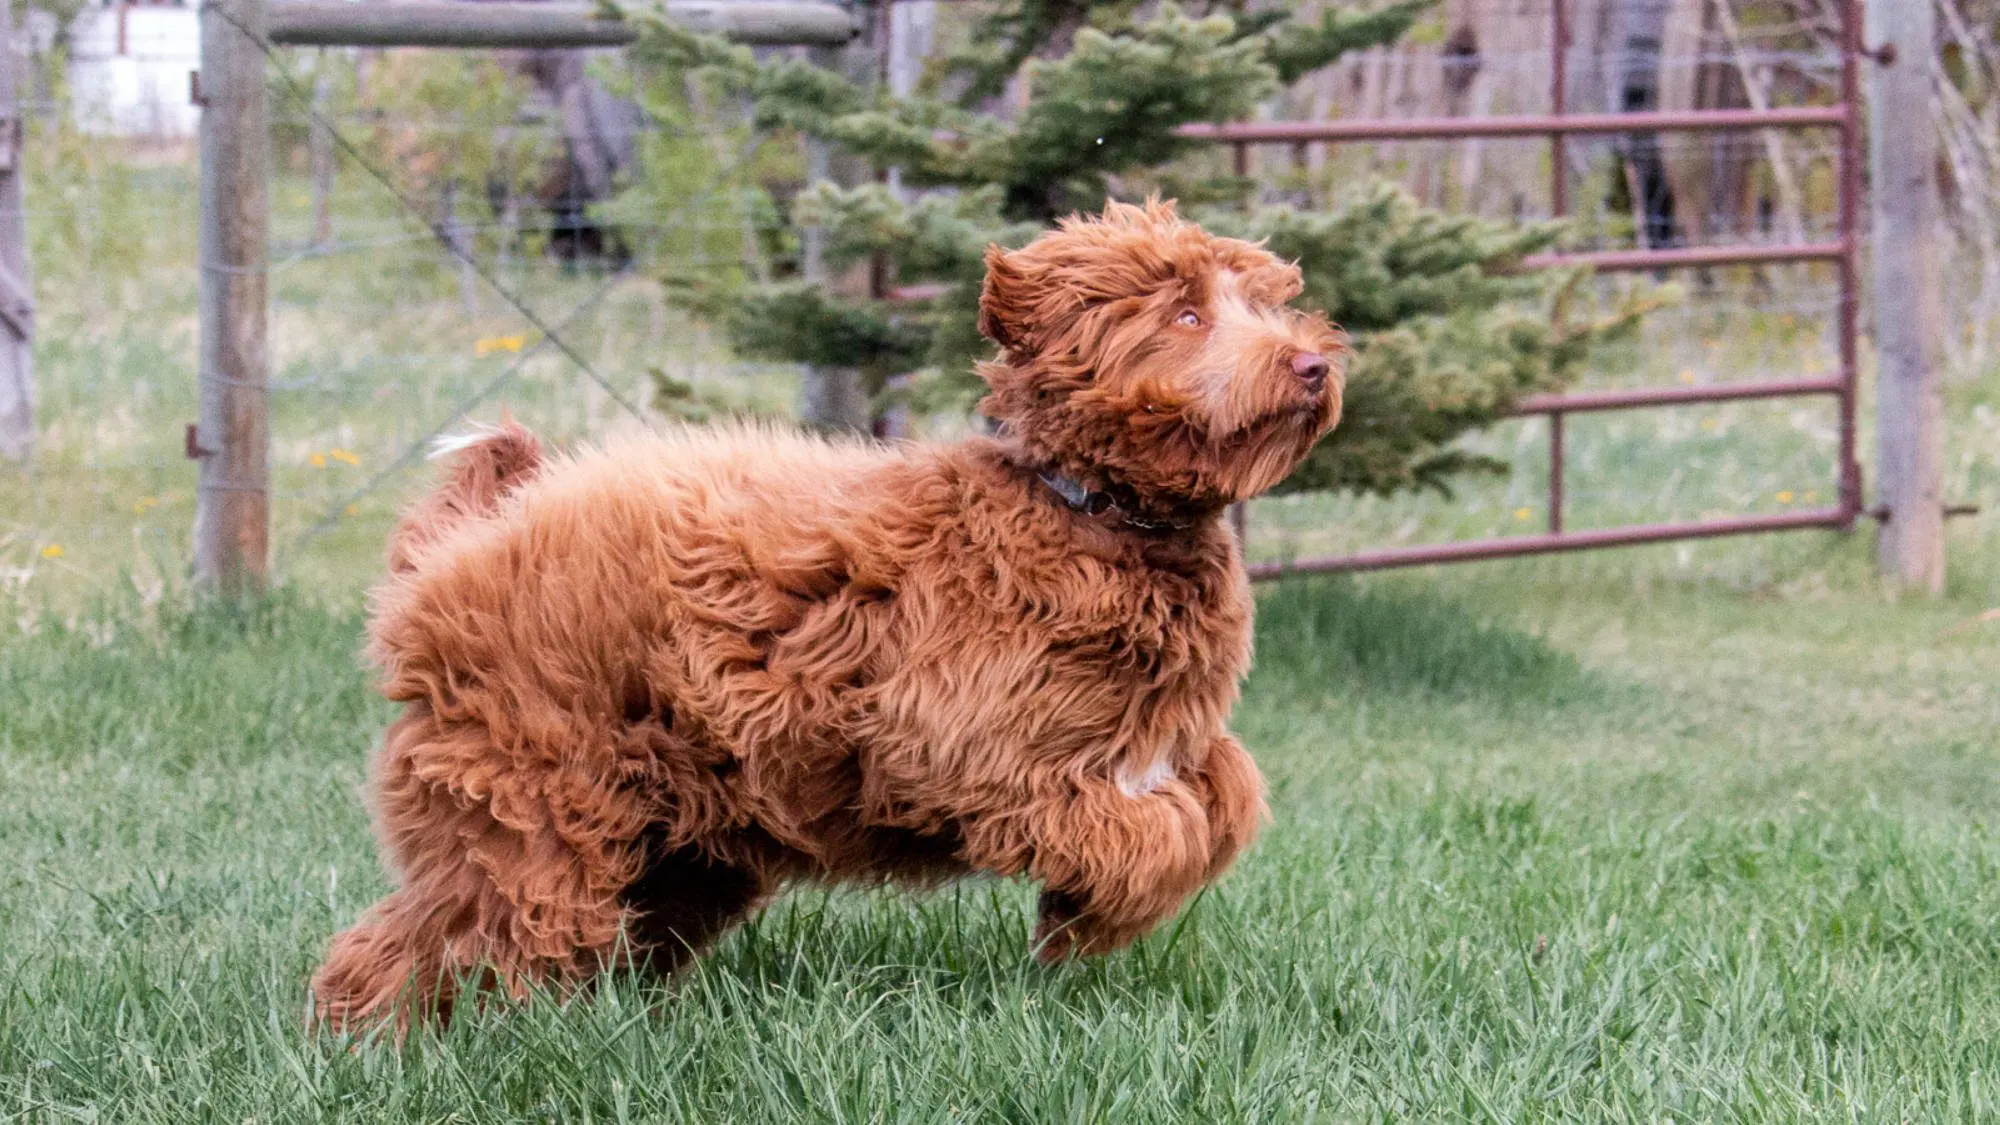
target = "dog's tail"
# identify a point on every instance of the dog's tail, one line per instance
(482, 465)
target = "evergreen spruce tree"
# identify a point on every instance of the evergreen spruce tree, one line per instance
(1448, 333)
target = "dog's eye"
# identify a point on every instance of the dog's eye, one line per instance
(1188, 319)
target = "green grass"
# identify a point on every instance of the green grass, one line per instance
(1587, 854)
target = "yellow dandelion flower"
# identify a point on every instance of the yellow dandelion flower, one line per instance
(1687, 376)
(52, 551)
(318, 460)
(487, 345)
(1709, 425)
(344, 457)
(1785, 496)
(1523, 513)
(353, 508)
(145, 504)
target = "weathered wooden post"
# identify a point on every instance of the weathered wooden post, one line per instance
(232, 440)
(17, 303)
(1909, 310)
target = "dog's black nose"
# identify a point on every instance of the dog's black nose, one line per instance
(1311, 368)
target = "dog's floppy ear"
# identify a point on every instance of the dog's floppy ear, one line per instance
(1006, 302)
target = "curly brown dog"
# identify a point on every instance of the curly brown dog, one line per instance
(647, 685)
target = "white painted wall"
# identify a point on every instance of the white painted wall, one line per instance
(141, 90)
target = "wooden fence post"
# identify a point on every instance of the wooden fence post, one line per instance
(232, 440)
(17, 303)
(1908, 314)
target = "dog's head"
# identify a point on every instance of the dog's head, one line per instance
(1140, 352)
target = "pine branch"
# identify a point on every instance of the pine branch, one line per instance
(1384, 258)
(1009, 36)
(1449, 330)
(804, 324)
(1113, 103)
(932, 140)
(1297, 49)
(1110, 105)
(939, 237)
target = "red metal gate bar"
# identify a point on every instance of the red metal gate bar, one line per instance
(1555, 542)
(1580, 402)
(1558, 407)
(1689, 257)
(1521, 125)
(1555, 127)
(1558, 149)
(1558, 457)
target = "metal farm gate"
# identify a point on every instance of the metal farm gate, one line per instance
(1843, 116)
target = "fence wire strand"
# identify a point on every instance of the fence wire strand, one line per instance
(458, 412)
(302, 95)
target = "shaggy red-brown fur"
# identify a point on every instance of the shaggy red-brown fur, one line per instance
(648, 684)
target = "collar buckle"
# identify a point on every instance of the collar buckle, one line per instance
(1081, 498)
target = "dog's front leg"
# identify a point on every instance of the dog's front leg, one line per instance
(1114, 864)
(1232, 790)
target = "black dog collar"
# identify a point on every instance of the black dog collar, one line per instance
(1091, 502)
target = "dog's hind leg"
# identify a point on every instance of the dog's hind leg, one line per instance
(683, 902)
(512, 871)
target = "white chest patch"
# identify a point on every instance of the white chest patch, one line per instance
(1138, 785)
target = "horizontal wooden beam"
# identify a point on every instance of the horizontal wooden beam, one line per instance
(459, 23)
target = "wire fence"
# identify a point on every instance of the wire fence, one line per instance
(397, 312)
(431, 263)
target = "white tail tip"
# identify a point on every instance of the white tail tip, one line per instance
(463, 440)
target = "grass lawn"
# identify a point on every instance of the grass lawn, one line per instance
(1603, 849)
